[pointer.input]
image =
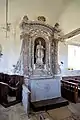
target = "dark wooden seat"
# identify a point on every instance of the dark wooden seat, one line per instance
(10, 86)
(69, 91)
(70, 88)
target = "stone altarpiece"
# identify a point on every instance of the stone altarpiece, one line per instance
(40, 58)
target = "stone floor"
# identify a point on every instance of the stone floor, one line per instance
(70, 112)
(13, 113)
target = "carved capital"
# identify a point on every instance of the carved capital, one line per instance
(58, 34)
(24, 36)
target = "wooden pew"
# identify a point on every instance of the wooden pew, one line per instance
(74, 79)
(69, 91)
(10, 86)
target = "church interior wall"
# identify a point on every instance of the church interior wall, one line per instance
(11, 52)
(68, 20)
(63, 55)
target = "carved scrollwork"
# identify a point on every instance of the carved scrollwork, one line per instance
(31, 30)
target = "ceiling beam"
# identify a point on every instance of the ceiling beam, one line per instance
(75, 44)
(72, 34)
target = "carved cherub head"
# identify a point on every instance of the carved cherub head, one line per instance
(25, 19)
(57, 27)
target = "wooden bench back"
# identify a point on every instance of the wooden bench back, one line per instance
(69, 90)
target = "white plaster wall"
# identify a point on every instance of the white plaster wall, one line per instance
(69, 21)
(11, 51)
(70, 18)
(63, 55)
(51, 9)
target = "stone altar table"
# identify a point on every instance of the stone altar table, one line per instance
(44, 88)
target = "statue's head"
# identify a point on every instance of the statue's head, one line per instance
(39, 42)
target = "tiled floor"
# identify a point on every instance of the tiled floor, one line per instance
(64, 113)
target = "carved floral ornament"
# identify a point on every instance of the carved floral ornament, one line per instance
(30, 31)
(35, 31)
(35, 27)
(41, 18)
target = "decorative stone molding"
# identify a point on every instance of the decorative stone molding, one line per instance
(30, 31)
(41, 18)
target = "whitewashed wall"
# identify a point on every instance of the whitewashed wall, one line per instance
(63, 55)
(63, 11)
(11, 51)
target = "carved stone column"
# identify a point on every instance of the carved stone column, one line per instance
(56, 39)
(55, 57)
(25, 52)
(25, 58)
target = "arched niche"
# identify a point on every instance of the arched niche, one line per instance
(43, 43)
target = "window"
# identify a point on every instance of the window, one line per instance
(74, 57)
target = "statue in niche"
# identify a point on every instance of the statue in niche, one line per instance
(40, 53)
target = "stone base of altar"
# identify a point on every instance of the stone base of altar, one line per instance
(49, 104)
(43, 88)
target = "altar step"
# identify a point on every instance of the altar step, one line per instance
(48, 104)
